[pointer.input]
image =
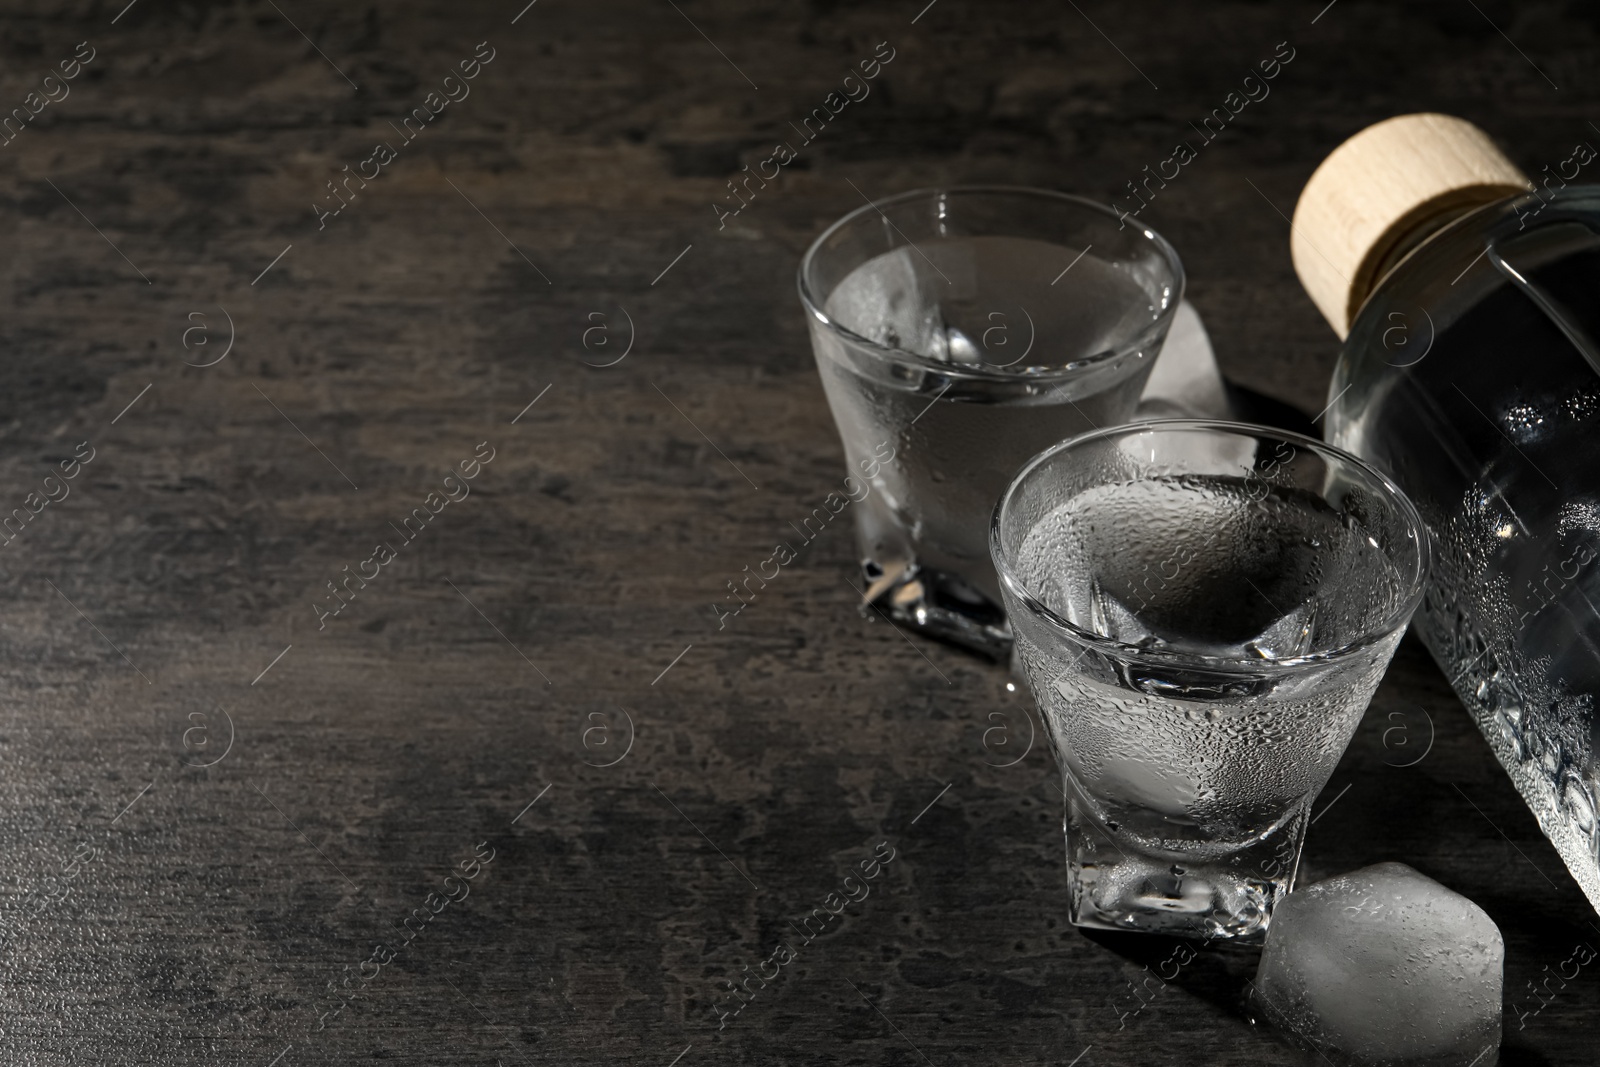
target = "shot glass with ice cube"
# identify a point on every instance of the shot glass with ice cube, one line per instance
(1202, 611)
(958, 332)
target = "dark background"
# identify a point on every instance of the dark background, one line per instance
(156, 911)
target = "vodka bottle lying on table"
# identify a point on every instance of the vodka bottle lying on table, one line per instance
(1471, 374)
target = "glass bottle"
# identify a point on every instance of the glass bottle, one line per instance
(1466, 297)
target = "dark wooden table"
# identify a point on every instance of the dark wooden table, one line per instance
(220, 810)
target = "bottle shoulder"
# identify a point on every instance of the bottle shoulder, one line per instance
(1494, 305)
(1450, 271)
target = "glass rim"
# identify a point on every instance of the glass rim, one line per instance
(1122, 650)
(1141, 340)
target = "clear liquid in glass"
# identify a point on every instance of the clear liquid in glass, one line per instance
(1188, 787)
(988, 304)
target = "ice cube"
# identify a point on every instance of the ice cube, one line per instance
(895, 303)
(1385, 967)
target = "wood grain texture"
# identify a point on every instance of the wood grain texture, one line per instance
(161, 912)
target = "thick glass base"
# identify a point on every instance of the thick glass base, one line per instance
(939, 605)
(1117, 884)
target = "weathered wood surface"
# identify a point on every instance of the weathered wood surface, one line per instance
(158, 911)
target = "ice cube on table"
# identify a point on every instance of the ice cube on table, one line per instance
(1385, 967)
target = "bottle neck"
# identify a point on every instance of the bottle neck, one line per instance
(1414, 236)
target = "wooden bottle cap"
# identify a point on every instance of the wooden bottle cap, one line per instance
(1376, 190)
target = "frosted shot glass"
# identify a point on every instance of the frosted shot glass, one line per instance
(1203, 611)
(958, 332)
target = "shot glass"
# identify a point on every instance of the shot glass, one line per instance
(958, 332)
(1202, 611)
